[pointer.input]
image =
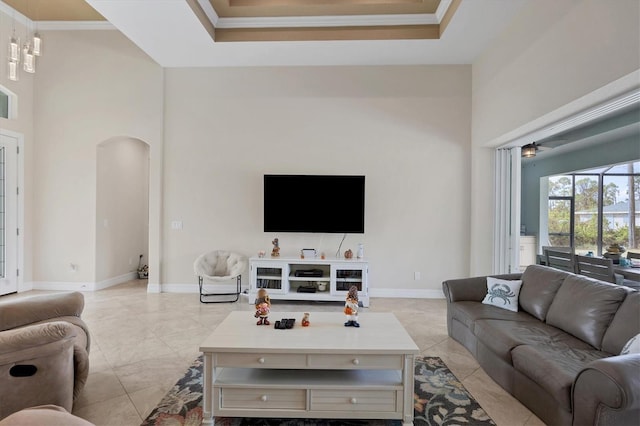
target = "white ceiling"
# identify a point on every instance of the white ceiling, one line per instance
(170, 33)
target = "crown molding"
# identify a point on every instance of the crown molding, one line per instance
(14, 14)
(443, 6)
(209, 11)
(327, 21)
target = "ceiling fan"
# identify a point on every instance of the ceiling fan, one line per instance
(530, 150)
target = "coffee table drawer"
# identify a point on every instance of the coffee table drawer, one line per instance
(350, 362)
(355, 400)
(274, 399)
(260, 360)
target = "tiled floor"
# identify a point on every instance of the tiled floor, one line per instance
(142, 343)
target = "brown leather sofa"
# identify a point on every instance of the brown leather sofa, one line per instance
(44, 351)
(559, 354)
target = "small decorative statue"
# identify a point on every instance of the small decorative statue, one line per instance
(276, 248)
(351, 307)
(305, 319)
(348, 254)
(263, 307)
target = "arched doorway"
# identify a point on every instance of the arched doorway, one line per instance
(122, 210)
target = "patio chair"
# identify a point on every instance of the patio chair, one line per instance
(598, 268)
(633, 255)
(559, 258)
(217, 267)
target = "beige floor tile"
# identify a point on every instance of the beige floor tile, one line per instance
(145, 400)
(162, 371)
(503, 408)
(100, 386)
(118, 411)
(147, 348)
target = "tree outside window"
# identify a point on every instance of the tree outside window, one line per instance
(594, 209)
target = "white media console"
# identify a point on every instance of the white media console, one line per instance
(314, 279)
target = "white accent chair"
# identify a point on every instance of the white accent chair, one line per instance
(216, 267)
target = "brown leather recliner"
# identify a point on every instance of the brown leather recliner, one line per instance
(44, 351)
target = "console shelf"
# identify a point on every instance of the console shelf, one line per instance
(282, 277)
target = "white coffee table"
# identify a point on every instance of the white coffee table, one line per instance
(325, 370)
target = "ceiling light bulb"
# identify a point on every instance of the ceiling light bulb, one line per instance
(29, 59)
(14, 49)
(37, 44)
(13, 71)
(529, 151)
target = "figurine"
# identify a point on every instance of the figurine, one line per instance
(305, 319)
(276, 248)
(348, 254)
(263, 307)
(351, 307)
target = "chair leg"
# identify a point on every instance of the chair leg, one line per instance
(236, 294)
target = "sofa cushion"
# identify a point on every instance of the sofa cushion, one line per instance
(585, 307)
(539, 286)
(625, 324)
(503, 336)
(502, 294)
(554, 368)
(469, 312)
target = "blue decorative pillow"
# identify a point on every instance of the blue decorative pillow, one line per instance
(503, 293)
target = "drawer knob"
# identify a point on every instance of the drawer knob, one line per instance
(263, 398)
(261, 360)
(355, 361)
(353, 401)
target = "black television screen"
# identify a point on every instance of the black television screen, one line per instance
(314, 203)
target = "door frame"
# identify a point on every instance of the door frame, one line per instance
(19, 137)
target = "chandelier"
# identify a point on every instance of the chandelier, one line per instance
(25, 53)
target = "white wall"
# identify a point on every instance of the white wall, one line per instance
(122, 219)
(22, 124)
(552, 54)
(91, 86)
(407, 129)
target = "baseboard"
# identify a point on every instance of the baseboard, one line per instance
(64, 286)
(116, 280)
(83, 286)
(406, 293)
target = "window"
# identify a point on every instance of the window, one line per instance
(8, 103)
(593, 209)
(4, 105)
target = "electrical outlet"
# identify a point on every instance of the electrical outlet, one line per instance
(176, 224)
(417, 276)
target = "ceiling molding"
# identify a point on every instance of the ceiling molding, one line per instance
(328, 21)
(443, 7)
(209, 11)
(14, 14)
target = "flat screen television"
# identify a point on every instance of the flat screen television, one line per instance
(314, 203)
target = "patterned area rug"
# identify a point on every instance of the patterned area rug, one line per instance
(439, 399)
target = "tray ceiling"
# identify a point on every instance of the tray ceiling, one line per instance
(187, 33)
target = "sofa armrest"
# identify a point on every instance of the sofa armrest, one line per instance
(17, 313)
(472, 289)
(607, 391)
(18, 340)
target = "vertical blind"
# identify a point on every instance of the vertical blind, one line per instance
(506, 224)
